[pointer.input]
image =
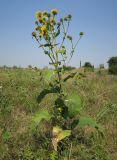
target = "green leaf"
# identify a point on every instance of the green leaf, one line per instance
(86, 121)
(6, 136)
(55, 64)
(48, 74)
(63, 51)
(44, 114)
(68, 76)
(74, 105)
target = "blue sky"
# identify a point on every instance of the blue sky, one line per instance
(96, 18)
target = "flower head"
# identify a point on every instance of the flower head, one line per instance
(38, 15)
(45, 13)
(43, 31)
(40, 20)
(43, 28)
(52, 20)
(54, 11)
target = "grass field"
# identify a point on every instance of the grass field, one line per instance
(19, 89)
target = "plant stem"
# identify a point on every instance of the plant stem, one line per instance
(70, 151)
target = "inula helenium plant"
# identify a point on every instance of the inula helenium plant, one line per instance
(51, 33)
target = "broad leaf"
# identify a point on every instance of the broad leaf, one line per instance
(68, 76)
(43, 93)
(48, 74)
(44, 114)
(74, 105)
(86, 121)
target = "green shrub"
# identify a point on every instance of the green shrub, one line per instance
(112, 65)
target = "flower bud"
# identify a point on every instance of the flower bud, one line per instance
(33, 34)
(54, 11)
(61, 20)
(36, 22)
(69, 16)
(81, 33)
(65, 19)
(38, 15)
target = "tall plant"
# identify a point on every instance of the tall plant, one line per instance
(52, 36)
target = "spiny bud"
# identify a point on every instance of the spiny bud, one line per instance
(52, 20)
(54, 11)
(45, 13)
(33, 34)
(69, 37)
(81, 33)
(40, 20)
(38, 14)
(69, 16)
(61, 20)
(36, 22)
(65, 19)
(49, 15)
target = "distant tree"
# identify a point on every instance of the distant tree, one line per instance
(88, 65)
(68, 68)
(112, 62)
(4, 66)
(29, 66)
(15, 67)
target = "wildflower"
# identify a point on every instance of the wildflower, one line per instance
(40, 20)
(43, 31)
(38, 15)
(52, 20)
(45, 13)
(44, 18)
(48, 15)
(54, 11)
(33, 34)
(43, 28)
